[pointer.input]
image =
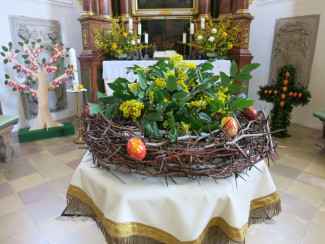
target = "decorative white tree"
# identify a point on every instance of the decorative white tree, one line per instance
(37, 71)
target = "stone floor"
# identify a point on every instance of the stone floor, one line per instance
(34, 183)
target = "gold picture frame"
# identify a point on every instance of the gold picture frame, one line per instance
(166, 7)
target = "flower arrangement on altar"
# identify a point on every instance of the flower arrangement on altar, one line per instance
(178, 119)
(216, 38)
(119, 41)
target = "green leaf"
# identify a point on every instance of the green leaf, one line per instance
(14, 89)
(17, 51)
(142, 79)
(180, 94)
(161, 107)
(41, 46)
(22, 93)
(147, 128)
(3, 54)
(7, 76)
(107, 99)
(109, 111)
(154, 116)
(122, 95)
(18, 70)
(205, 118)
(68, 48)
(95, 108)
(171, 83)
(27, 61)
(158, 96)
(10, 44)
(20, 44)
(243, 77)
(24, 56)
(61, 44)
(33, 82)
(122, 80)
(166, 93)
(171, 105)
(211, 127)
(155, 130)
(33, 43)
(4, 48)
(234, 87)
(53, 42)
(212, 107)
(5, 61)
(6, 82)
(225, 79)
(141, 94)
(249, 67)
(26, 41)
(116, 86)
(242, 103)
(173, 134)
(27, 94)
(29, 78)
(150, 88)
(100, 94)
(233, 68)
(39, 40)
(171, 122)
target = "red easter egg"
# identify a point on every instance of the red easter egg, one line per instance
(287, 74)
(87, 112)
(299, 95)
(230, 126)
(250, 113)
(136, 149)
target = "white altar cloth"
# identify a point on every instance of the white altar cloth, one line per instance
(178, 213)
(115, 69)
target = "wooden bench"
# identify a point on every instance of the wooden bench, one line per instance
(7, 122)
(321, 115)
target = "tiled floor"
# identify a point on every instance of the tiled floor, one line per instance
(34, 183)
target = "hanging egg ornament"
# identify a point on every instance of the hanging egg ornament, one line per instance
(275, 91)
(136, 149)
(270, 92)
(265, 92)
(229, 126)
(287, 74)
(285, 82)
(285, 89)
(281, 103)
(299, 95)
(250, 113)
(290, 94)
(283, 96)
(294, 94)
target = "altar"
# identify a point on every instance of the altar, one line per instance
(115, 69)
(135, 209)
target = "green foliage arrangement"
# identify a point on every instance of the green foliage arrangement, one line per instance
(284, 94)
(175, 96)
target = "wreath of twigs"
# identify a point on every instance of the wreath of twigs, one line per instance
(214, 154)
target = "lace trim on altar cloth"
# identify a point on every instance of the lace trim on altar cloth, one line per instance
(81, 207)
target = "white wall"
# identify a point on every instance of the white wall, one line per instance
(261, 39)
(66, 12)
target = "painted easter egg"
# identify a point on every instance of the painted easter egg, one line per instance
(136, 149)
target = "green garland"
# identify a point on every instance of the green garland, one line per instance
(284, 95)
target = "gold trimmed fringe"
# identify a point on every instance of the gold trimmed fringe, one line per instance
(217, 230)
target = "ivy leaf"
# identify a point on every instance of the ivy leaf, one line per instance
(7, 76)
(142, 79)
(20, 44)
(171, 83)
(4, 48)
(225, 79)
(95, 108)
(242, 103)
(249, 67)
(233, 68)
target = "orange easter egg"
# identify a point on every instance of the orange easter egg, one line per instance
(230, 126)
(281, 104)
(136, 149)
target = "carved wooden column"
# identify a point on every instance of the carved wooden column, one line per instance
(105, 9)
(224, 7)
(125, 8)
(88, 7)
(240, 6)
(204, 8)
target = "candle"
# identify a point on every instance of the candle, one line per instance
(74, 68)
(184, 38)
(192, 28)
(139, 29)
(202, 23)
(130, 23)
(146, 38)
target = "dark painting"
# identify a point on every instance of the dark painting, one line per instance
(163, 4)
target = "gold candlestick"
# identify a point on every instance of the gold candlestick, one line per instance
(79, 139)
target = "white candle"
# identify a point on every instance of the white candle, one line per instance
(184, 38)
(192, 28)
(202, 23)
(139, 29)
(130, 23)
(73, 63)
(146, 38)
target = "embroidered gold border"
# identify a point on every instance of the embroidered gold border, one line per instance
(122, 230)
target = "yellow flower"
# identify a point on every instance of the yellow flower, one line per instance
(134, 86)
(151, 95)
(185, 127)
(224, 34)
(160, 82)
(166, 123)
(114, 46)
(191, 65)
(132, 108)
(80, 87)
(125, 34)
(221, 94)
(230, 46)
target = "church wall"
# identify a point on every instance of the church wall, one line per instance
(64, 11)
(261, 39)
